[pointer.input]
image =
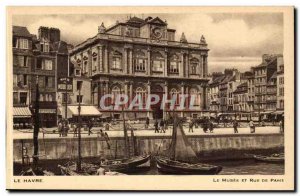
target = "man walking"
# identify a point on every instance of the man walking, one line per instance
(147, 123)
(252, 127)
(156, 126)
(191, 125)
(211, 126)
(235, 126)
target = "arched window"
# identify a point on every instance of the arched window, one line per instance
(140, 61)
(50, 98)
(117, 60)
(142, 93)
(174, 92)
(174, 64)
(158, 62)
(115, 91)
(85, 65)
(194, 62)
(194, 92)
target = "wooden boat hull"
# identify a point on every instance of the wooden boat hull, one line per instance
(174, 167)
(269, 159)
(125, 164)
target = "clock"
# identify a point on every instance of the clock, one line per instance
(156, 33)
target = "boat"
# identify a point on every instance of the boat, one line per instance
(180, 158)
(129, 163)
(36, 172)
(274, 158)
(87, 169)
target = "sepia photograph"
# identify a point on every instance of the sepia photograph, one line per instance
(195, 95)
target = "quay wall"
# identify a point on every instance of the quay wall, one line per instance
(207, 147)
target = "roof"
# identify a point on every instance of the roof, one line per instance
(21, 112)
(21, 31)
(241, 88)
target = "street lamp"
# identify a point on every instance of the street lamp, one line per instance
(79, 129)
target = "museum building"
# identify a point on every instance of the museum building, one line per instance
(141, 57)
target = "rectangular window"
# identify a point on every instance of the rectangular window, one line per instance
(193, 68)
(174, 67)
(140, 64)
(79, 98)
(15, 98)
(49, 82)
(25, 80)
(158, 66)
(48, 64)
(77, 72)
(116, 63)
(23, 98)
(46, 48)
(79, 85)
(41, 81)
(23, 43)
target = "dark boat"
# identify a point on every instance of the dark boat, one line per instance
(125, 164)
(274, 158)
(129, 163)
(180, 158)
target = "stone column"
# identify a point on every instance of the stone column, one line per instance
(166, 63)
(89, 68)
(126, 92)
(149, 62)
(106, 60)
(187, 66)
(181, 67)
(100, 60)
(130, 62)
(125, 61)
(99, 94)
(182, 94)
(204, 98)
(205, 65)
(130, 91)
(187, 102)
(148, 94)
(82, 63)
(166, 96)
(201, 67)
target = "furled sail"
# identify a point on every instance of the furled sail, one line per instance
(180, 148)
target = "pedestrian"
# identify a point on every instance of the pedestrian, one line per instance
(281, 123)
(66, 129)
(205, 126)
(235, 126)
(107, 127)
(147, 123)
(59, 129)
(191, 125)
(162, 126)
(252, 127)
(211, 126)
(75, 130)
(156, 126)
(90, 126)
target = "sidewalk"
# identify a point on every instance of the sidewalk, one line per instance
(27, 134)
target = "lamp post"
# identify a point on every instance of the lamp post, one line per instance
(78, 166)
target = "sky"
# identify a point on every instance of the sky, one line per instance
(235, 40)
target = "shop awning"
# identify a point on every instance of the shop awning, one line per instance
(278, 112)
(86, 110)
(21, 112)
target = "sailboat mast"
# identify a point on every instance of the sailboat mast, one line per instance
(125, 135)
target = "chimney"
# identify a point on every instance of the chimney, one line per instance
(43, 33)
(54, 35)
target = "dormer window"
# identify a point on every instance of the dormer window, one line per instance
(45, 47)
(23, 43)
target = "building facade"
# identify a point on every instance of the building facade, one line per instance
(141, 57)
(280, 83)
